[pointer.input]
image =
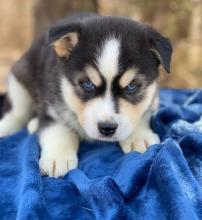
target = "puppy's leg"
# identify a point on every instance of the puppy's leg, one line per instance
(143, 136)
(21, 107)
(59, 145)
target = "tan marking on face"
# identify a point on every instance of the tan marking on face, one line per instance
(73, 102)
(127, 77)
(93, 75)
(64, 45)
(135, 112)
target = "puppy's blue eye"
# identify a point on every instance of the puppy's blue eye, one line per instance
(131, 87)
(88, 85)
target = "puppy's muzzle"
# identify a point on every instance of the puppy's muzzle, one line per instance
(107, 129)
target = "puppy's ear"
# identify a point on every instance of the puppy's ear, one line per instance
(161, 46)
(64, 39)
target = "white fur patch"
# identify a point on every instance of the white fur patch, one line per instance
(109, 58)
(21, 108)
(99, 110)
(33, 125)
(59, 145)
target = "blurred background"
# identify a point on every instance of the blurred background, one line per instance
(179, 20)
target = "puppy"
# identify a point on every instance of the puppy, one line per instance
(87, 77)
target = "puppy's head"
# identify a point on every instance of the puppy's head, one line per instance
(108, 68)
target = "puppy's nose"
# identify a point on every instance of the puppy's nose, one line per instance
(107, 128)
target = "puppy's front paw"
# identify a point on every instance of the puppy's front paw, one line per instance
(59, 146)
(57, 164)
(139, 141)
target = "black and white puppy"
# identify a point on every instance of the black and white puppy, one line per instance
(88, 77)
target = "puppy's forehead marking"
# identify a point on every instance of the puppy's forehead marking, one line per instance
(108, 60)
(93, 75)
(127, 77)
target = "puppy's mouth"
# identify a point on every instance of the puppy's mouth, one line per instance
(108, 139)
(99, 137)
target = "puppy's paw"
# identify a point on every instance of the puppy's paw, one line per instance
(59, 145)
(57, 164)
(140, 141)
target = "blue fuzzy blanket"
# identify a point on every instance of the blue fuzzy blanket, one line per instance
(163, 183)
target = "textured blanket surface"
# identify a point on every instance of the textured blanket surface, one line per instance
(163, 183)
